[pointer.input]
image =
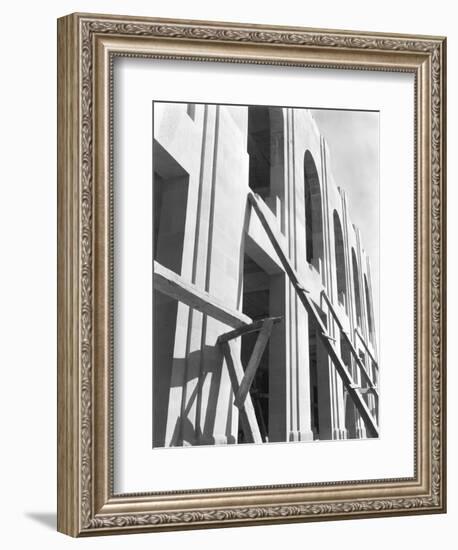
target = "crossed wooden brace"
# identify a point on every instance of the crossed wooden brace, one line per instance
(241, 379)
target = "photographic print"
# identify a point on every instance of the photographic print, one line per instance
(266, 274)
(232, 201)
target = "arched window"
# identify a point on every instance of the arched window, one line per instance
(356, 287)
(259, 149)
(266, 152)
(340, 261)
(370, 320)
(313, 213)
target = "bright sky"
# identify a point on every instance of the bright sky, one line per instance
(353, 139)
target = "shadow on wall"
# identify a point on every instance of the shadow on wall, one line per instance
(184, 427)
(47, 519)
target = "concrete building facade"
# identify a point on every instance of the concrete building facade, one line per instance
(222, 175)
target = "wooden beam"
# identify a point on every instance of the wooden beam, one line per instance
(236, 373)
(253, 363)
(369, 421)
(349, 343)
(366, 347)
(173, 285)
(262, 424)
(253, 327)
(367, 390)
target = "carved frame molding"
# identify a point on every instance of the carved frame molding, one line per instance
(87, 45)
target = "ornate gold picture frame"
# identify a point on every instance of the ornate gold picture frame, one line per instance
(88, 504)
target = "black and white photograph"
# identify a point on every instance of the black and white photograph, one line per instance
(251, 276)
(266, 274)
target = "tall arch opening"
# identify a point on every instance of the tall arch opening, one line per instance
(266, 156)
(313, 213)
(356, 287)
(339, 252)
(259, 150)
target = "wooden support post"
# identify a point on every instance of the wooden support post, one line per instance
(265, 327)
(253, 363)
(236, 374)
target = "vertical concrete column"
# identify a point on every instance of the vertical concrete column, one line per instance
(373, 343)
(359, 258)
(325, 393)
(361, 426)
(277, 168)
(292, 310)
(304, 429)
(326, 370)
(347, 252)
(348, 236)
(174, 433)
(300, 394)
(204, 118)
(177, 161)
(219, 419)
(371, 295)
(278, 371)
(371, 401)
(189, 321)
(337, 400)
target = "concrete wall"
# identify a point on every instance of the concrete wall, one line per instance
(209, 143)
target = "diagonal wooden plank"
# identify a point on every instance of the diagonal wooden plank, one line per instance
(247, 415)
(170, 283)
(241, 331)
(350, 385)
(262, 424)
(366, 347)
(339, 365)
(253, 363)
(349, 343)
